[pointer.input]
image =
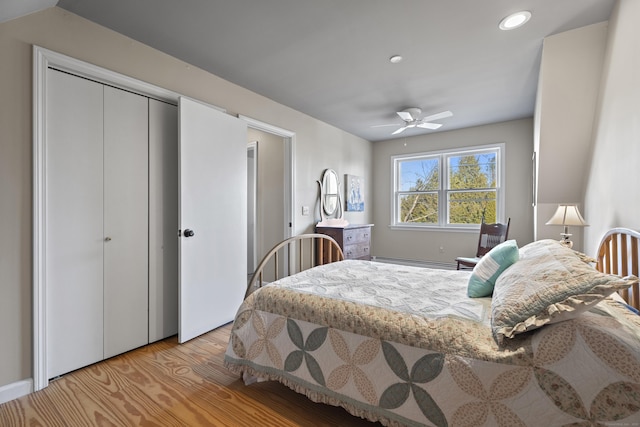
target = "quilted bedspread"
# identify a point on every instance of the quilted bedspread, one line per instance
(406, 346)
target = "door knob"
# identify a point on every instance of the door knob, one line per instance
(107, 239)
(188, 233)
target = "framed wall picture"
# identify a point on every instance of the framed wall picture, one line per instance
(354, 193)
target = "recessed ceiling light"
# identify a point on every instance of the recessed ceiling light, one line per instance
(395, 59)
(515, 20)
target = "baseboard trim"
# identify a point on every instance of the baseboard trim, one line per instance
(415, 263)
(15, 390)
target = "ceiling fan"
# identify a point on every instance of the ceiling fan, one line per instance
(411, 117)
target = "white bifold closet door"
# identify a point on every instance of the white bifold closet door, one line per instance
(97, 222)
(118, 189)
(74, 223)
(126, 221)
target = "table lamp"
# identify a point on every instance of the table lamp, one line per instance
(567, 215)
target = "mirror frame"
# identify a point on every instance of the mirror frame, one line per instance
(330, 192)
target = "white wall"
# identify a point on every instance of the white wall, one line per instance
(318, 146)
(424, 245)
(567, 94)
(593, 68)
(612, 196)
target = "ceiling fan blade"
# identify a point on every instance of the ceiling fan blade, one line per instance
(438, 116)
(405, 115)
(398, 130)
(429, 125)
(380, 126)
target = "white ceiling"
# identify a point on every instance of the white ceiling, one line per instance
(329, 58)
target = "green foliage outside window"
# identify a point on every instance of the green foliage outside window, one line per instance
(471, 191)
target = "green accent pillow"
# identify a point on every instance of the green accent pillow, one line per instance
(490, 266)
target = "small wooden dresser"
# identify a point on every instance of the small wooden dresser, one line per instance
(354, 239)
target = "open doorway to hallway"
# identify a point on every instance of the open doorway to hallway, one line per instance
(269, 193)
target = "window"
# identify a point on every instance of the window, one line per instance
(448, 189)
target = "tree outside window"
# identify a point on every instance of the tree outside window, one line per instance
(447, 188)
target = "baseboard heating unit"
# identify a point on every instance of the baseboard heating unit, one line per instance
(414, 263)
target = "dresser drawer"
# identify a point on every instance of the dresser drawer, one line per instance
(357, 251)
(356, 235)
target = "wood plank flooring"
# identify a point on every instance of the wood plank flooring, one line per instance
(166, 384)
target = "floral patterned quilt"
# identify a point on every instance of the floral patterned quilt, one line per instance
(406, 346)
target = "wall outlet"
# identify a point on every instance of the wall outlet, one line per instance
(441, 249)
(305, 211)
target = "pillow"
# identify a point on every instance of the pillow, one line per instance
(549, 284)
(490, 266)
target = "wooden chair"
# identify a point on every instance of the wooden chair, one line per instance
(491, 235)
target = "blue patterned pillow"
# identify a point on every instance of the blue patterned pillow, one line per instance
(490, 266)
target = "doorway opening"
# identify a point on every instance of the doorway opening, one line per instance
(272, 149)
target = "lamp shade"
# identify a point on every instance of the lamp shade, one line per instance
(567, 215)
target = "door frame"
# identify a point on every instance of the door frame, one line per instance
(289, 138)
(252, 199)
(42, 60)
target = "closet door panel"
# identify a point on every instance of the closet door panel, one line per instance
(163, 220)
(125, 221)
(74, 214)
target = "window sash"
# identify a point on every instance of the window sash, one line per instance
(492, 202)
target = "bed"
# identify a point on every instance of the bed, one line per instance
(552, 343)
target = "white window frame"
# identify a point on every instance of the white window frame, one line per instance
(443, 191)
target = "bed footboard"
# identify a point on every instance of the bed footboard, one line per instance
(618, 254)
(295, 254)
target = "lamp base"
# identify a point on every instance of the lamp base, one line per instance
(565, 240)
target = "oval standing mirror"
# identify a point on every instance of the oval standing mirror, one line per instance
(330, 192)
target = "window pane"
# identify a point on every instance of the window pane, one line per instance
(467, 207)
(418, 208)
(419, 175)
(472, 171)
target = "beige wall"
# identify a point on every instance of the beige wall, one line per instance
(612, 196)
(424, 245)
(318, 146)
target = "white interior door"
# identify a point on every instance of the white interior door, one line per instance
(213, 206)
(74, 221)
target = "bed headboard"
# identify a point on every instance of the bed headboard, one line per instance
(618, 254)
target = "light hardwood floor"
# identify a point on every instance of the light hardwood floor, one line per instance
(166, 384)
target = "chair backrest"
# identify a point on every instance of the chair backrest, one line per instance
(492, 235)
